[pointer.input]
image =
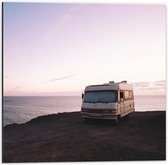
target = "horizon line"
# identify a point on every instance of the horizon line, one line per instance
(72, 95)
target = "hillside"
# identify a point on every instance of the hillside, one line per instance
(67, 137)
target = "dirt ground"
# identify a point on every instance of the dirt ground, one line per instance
(67, 137)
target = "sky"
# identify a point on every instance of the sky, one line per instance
(58, 49)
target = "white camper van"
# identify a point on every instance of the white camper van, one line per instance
(107, 101)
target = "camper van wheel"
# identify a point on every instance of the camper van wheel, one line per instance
(117, 119)
(87, 120)
(127, 116)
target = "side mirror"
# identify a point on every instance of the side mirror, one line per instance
(82, 96)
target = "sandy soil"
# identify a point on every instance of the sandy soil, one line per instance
(67, 137)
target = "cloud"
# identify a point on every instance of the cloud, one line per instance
(161, 83)
(17, 87)
(77, 7)
(6, 77)
(14, 90)
(63, 18)
(60, 25)
(155, 84)
(69, 13)
(155, 87)
(61, 78)
(141, 84)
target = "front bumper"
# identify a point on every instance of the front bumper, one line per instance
(99, 116)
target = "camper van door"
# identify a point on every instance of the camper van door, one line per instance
(121, 102)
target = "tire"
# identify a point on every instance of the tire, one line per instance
(115, 121)
(87, 120)
(127, 116)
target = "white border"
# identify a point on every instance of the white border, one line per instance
(163, 2)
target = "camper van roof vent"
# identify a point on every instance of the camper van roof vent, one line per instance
(111, 82)
(125, 81)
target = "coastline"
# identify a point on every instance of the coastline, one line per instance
(66, 137)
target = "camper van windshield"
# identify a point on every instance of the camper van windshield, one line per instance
(100, 96)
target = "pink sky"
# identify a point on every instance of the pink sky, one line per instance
(58, 49)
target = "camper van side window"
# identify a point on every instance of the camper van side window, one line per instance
(121, 94)
(126, 94)
(130, 95)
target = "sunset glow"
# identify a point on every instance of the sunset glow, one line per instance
(58, 49)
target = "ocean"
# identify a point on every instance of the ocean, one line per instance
(20, 109)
